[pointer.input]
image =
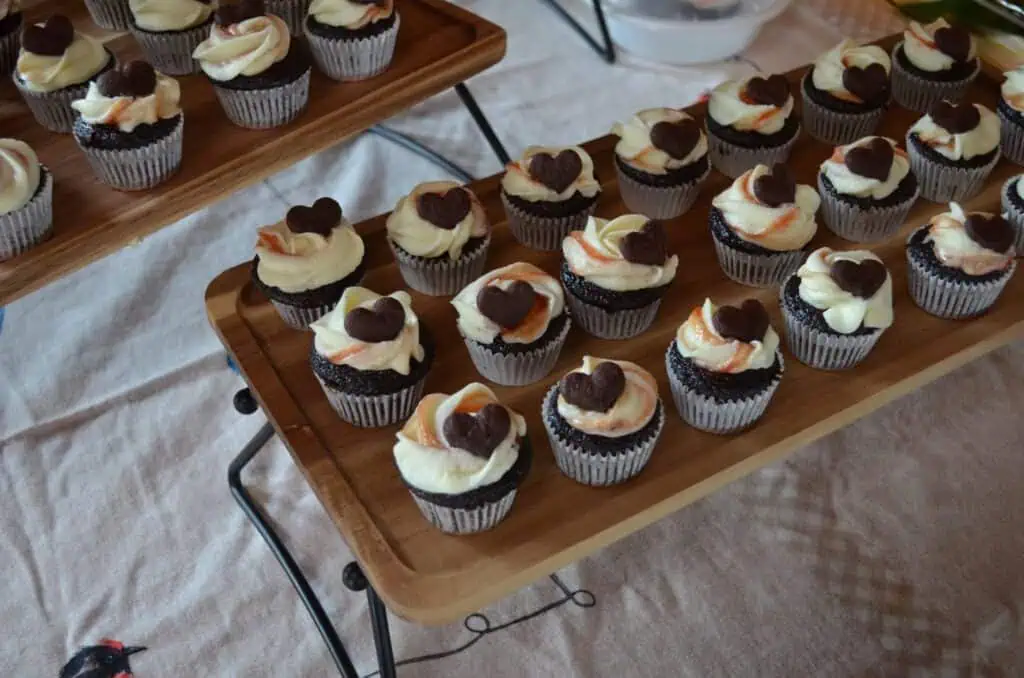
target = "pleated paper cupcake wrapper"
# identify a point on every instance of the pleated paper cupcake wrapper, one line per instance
(9, 46)
(53, 110)
(265, 108)
(944, 183)
(299, 318)
(138, 168)
(24, 228)
(860, 224)
(732, 160)
(374, 411)
(543, 233)
(517, 369)
(603, 324)
(1014, 215)
(757, 270)
(918, 94)
(826, 351)
(171, 53)
(349, 60)
(466, 521)
(292, 11)
(113, 15)
(952, 300)
(442, 276)
(658, 202)
(838, 128)
(1011, 137)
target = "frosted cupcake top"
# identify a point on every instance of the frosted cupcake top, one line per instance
(160, 16)
(370, 332)
(351, 14)
(853, 72)
(53, 56)
(768, 208)
(516, 303)
(976, 243)
(852, 289)
(958, 131)
(937, 46)
(130, 95)
(622, 254)
(657, 140)
(456, 443)
(761, 105)
(551, 174)
(437, 219)
(20, 175)
(243, 41)
(609, 398)
(872, 167)
(1013, 88)
(728, 339)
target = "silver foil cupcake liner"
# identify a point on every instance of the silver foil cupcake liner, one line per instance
(949, 299)
(137, 169)
(543, 233)
(1011, 138)
(837, 128)
(732, 160)
(757, 270)
(374, 411)
(171, 52)
(265, 108)
(293, 12)
(918, 94)
(826, 351)
(714, 416)
(466, 521)
(517, 369)
(860, 224)
(299, 318)
(53, 110)
(441, 276)
(114, 15)
(1013, 215)
(28, 226)
(658, 202)
(9, 46)
(603, 324)
(947, 183)
(348, 60)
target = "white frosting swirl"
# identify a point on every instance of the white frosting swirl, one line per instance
(728, 106)
(595, 254)
(919, 46)
(83, 59)
(19, 175)
(419, 237)
(428, 462)
(698, 340)
(160, 16)
(829, 68)
(332, 340)
(296, 262)
(636, 148)
(843, 311)
(784, 228)
(246, 48)
(981, 140)
(955, 248)
(348, 14)
(633, 409)
(1013, 88)
(127, 113)
(518, 182)
(848, 182)
(549, 304)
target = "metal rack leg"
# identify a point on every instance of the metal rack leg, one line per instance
(605, 48)
(483, 123)
(355, 580)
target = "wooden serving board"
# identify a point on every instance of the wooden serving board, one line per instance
(439, 46)
(429, 577)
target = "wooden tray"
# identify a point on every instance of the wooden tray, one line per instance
(428, 577)
(439, 46)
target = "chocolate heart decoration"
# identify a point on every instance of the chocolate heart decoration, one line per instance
(133, 79)
(955, 118)
(771, 91)
(236, 12)
(676, 138)
(595, 392)
(776, 188)
(746, 323)
(557, 172)
(872, 160)
(861, 279)
(50, 39)
(508, 307)
(646, 246)
(445, 210)
(871, 83)
(321, 218)
(478, 434)
(382, 322)
(990, 231)
(954, 42)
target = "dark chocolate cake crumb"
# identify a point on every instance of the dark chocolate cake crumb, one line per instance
(752, 140)
(321, 296)
(936, 157)
(959, 71)
(671, 179)
(594, 444)
(823, 98)
(499, 346)
(111, 138)
(553, 210)
(322, 30)
(812, 316)
(608, 300)
(923, 252)
(722, 387)
(471, 247)
(725, 235)
(291, 68)
(372, 382)
(904, 191)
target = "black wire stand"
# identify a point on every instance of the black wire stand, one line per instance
(604, 46)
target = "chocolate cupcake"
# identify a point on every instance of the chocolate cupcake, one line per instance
(168, 31)
(724, 366)
(953, 149)
(547, 193)
(846, 92)
(112, 15)
(867, 189)
(751, 122)
(1011, 116)
(26, 199)
(463, 458)
(54, 68)
(616, 272)
(293, 12)
(933, 63)
(259, 75)
(761, 225)
(514, 322)
(352, 39)
(661, 161)
(305, 263)
(371, 357)
(1013, 209)
(10, 34)
(959, 263)
(603, 420)
(836, 307)
(439, 235)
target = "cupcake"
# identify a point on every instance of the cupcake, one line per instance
(26, 199)
(836, 307)
(933, 63)
(10, 34)
(661, 160)
(112, 15)
(463, 457)
(751, 122)
(352, 40)
(1011, 115)
(292, 12)
(547, 193)
(953, 149)
(615, 273)
(259, 75)
(603, 420)
(168, 31)
(514, 322)
(130, 126)
(1013, 209)
(305, 263)
(54, 68)
(440, 235)
(762, 224)
(724, 366)
(867, 189)
(845, 92)
(371, 357)
(959, 262)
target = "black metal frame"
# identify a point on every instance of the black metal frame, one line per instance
(606, 48)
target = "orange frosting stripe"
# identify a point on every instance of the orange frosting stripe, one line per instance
(272, 243)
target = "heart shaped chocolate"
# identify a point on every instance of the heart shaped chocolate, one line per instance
(955, 118)
(321, 218)
(990, 231)
(557, 172)
(381, 322)
(595, 392)
(507, 307)
(870, 84)
(746, 323)
(480, 433)
(133, 79)
(229, 13)
(770, 91)
(778, 187)
(445, 210)
(872, 160)
(49, 39)
(954, 42)
(647, 246)
(861, 279)
(676, 138)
